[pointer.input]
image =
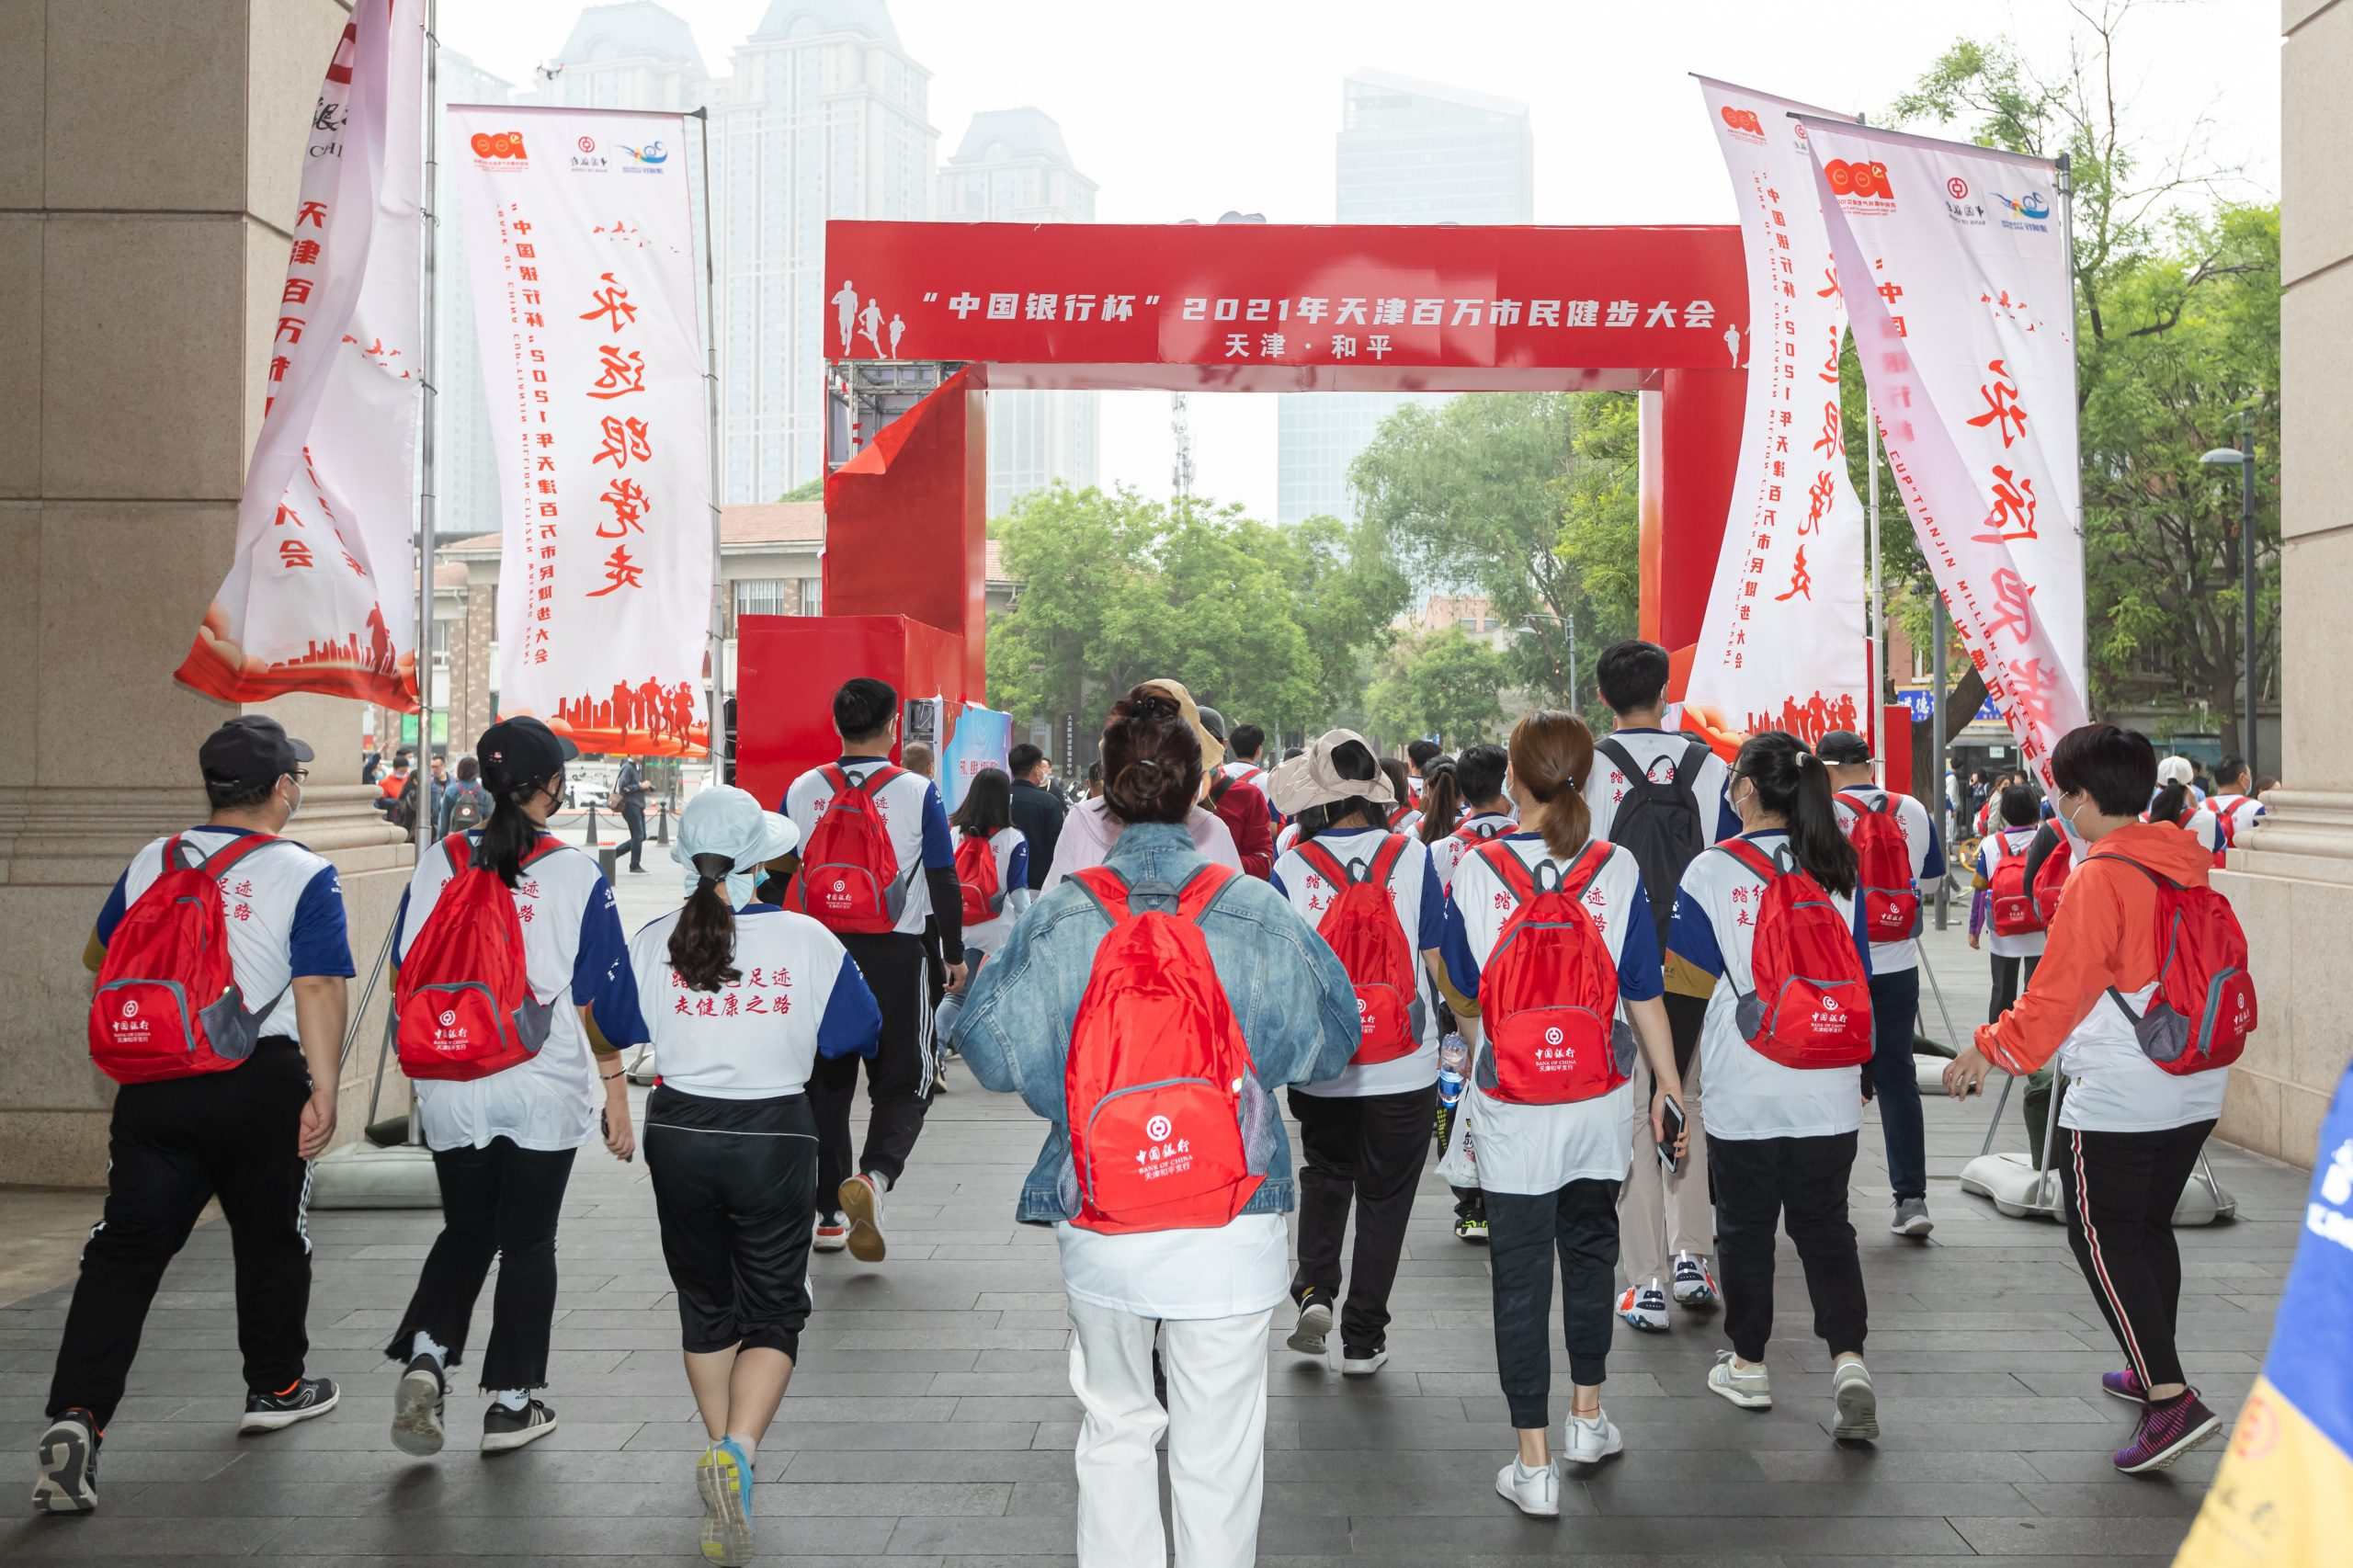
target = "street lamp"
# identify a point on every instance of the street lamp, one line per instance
(2242, 457)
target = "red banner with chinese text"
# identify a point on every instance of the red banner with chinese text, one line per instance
(1955, 267)
(579, 228)
(321, 596)
(1782, 647)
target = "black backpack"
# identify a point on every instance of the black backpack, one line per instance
(1659, 824)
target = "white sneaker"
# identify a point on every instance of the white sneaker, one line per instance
(1355, 1366)
(1590, 1441)
(1645, 1306)
(861, 1201)
(1314, 1326)
(1695, 1283)
(1536, 1492)
(832, 1234)
(1747, 1387)
(1858, 1403)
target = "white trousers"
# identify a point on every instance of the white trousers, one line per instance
(1216, 1423)
(1660, 1215)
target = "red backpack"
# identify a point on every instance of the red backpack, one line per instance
(2011, 906)
(976, 876)
(1361, 927)
(167, 1004)
(2226, 810)
(1548, 993)
(464, 1002)
(1159, 1078)
(2203, 1008)
(1888, 892)
(1811, 1004)
(850, 860)
(2050, 880)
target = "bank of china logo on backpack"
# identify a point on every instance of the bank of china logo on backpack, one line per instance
(1167, 1155)
(448, 1020)
(131, 1008)
(1553, 1036)
(1158, 1129)
(1364, 1016)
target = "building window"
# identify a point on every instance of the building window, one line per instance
(760, 595)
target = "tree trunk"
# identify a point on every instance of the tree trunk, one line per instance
(1961, 705)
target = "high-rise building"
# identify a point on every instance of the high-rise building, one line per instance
(635, 54)
(465, 467)
(825, 115)
(1013, 168)
(1410, 152)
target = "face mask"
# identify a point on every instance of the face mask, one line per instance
(739, 888)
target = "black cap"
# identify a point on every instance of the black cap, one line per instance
(1843, 746)
(1212, 720)
(520, 751)
(250, 749)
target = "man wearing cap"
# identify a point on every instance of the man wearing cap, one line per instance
(1895, 981)
(245, 1135)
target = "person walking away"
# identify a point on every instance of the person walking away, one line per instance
(1550, 930)
(1038, 810)
(2234, 805)
(877, 862)
(1094, 826)
(1404, 813)
(1486, 810)
(1371, 895)
(1441, 802)
(917, 758)
(1418, 757)
(742, 1000)
(1660, 795)
(1897, 849)
(235, 1107)
(2176, 803)
(992, 875)
(1487, 814)
(2136, 962)
(2182, 771)
(631, 791)
(1147, 1008)
(1242, 806)
(1772, 914)
(2002, 909)
(1248, 744)
(507, 1120)
(470, 804)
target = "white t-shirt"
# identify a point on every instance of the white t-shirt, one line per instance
(281, 905)
(1750, 1095)
(798, 997)
(1240, 1267)
(2241, 811)
(1012, 852)
(1419, 905)
(1991, 851)
(1928, 860)
(1532, 1148)
(574, 956)
(2113, 1087)
(1657, 752)
(911, 810)
(1447, 854)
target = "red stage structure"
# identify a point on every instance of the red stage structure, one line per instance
(1663, 312)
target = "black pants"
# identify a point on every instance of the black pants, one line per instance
(2121, 1190)
(2010, 979)
(1686, 1017)
(499, 1202)
(633, 817)
(734, 1189)
(1580, 1221)
(1368, 1149)
(1800, 1182)
(171, 1146)
(898, 1076)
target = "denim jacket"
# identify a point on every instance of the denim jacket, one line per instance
(1292, 998)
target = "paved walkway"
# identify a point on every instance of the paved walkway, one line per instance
(932, 1423)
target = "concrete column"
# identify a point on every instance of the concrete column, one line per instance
(2292, 880)
(155, 150)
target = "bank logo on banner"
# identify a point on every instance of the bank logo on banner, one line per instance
(321, 594)
(1782, 645)
(578, 227)
(1958, 275)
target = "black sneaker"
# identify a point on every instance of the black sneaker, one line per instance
(269, 1412)
(416, 1408)
(65, 1466)
(503, 1429)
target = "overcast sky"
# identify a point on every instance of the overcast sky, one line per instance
(1185, 110)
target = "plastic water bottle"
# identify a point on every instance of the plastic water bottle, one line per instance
(1453, 1055)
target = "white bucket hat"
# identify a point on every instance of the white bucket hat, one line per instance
(723, 820)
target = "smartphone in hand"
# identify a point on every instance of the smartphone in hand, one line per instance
(1673, 1117)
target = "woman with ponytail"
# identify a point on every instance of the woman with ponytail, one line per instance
(1780, 1140)
(743, 999)
(1441, 800)
(1550, 1172)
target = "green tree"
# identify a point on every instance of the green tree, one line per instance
(1442, 684)
(810, 490)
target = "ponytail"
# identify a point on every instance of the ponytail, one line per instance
(2172, 804)
(1794, 784)
(702, 945)
(1552, 753)
(1441, 800)
(509, 835)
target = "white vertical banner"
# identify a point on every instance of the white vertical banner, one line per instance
(1954, 263)
(321, 594)
(579, 233)
(1783, 646)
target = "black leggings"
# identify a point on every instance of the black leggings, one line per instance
(496, 1203)
(1580, 1223)
(2121, 1190)
(2010, 977)
(734, 1188)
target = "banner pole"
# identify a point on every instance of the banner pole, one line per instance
(2065, 164)
(1879, 601)
(716, 740)
(428, 519)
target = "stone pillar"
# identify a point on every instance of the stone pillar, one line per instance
(2292, 880)
(155, 153)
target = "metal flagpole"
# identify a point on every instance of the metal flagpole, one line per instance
(716, 740)
(1876, 715)
(2065, 164)
(428, 510)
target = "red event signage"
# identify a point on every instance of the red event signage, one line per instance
(1268, 307)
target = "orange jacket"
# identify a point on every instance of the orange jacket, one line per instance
(2104, 935)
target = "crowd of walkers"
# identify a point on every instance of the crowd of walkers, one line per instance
(1521, 961)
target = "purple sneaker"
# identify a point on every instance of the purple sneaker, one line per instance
(2167, 1431)
(2124, 1385)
